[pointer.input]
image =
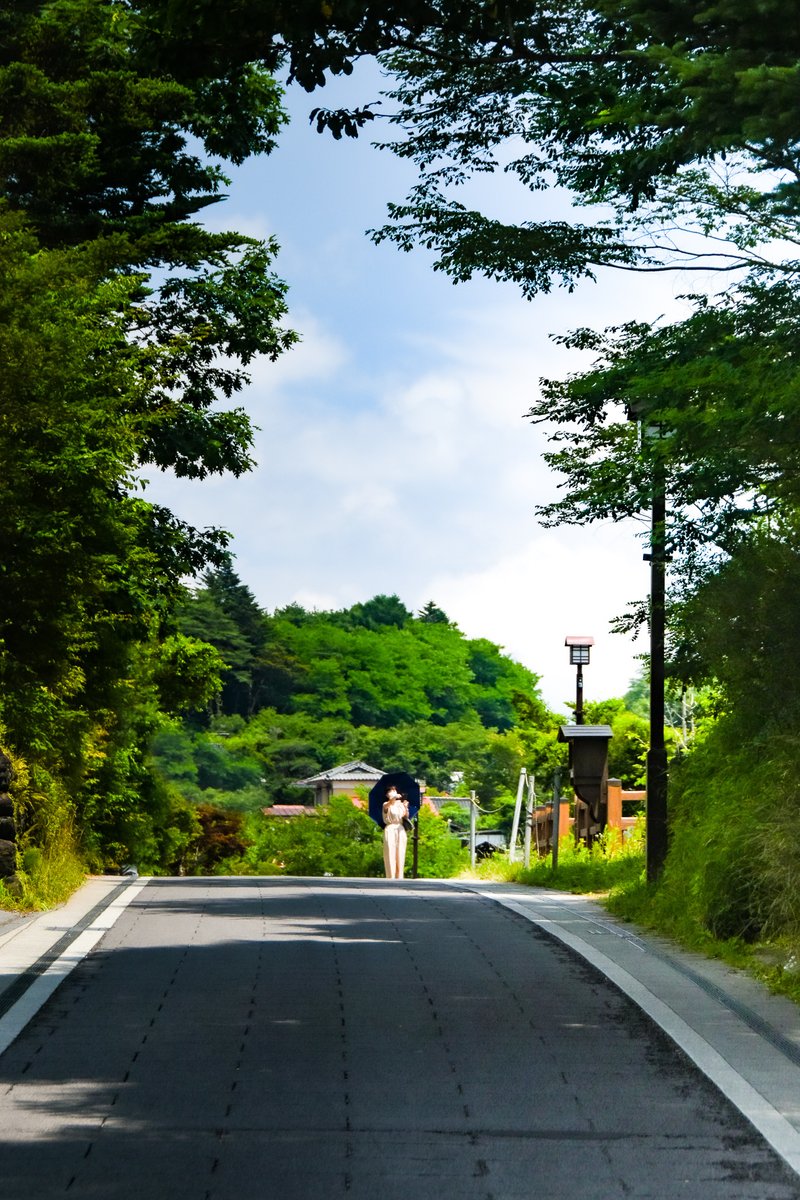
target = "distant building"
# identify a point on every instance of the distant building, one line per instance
(436, 802)
(289, 810)
(341, 781)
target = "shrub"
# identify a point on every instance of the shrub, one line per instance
(341, 839)
(611, 865)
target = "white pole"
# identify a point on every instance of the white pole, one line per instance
(473, 821)
(512, 849)
(526, 852)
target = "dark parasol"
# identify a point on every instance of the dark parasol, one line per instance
(404, 783)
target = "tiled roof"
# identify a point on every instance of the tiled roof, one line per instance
(350, 772)
(288, 810)
(436, 802)
(568, 732)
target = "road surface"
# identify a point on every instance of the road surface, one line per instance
(272, 1039)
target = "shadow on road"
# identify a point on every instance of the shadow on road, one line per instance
(299, 1039)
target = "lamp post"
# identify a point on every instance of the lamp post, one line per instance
(579, 648)
(657, 780)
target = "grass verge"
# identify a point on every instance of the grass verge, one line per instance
(613, 872)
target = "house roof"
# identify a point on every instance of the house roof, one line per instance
(570, 732)
(436, 802)
(289, 810)
(350, 772)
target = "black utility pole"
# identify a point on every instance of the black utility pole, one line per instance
(657, 754)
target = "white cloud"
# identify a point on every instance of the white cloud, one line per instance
(393, 455)
(318, 355)
(423, 483)
(558, 583)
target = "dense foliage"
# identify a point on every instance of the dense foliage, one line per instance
(123, 324)
(305, 691)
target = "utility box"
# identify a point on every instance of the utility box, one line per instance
(588, 768)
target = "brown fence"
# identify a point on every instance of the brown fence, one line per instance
(618, 798)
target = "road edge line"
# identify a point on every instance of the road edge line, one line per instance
(770, 1123)
(42, 986)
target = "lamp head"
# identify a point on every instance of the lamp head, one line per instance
(579, 649)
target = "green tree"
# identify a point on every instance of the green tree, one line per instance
(688, 708)
(434, 615)
(440, 855)
(672, 121)
(234, 598)
(380, 611)
(123, 324)
(258, 671)
(97, 137)
(736, 628)
(221, 836)
(627, 750)
(339, 839)
(94, 151)
(719, 391)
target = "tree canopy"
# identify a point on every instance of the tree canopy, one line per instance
(668, 127)
(126, 329)
(401, 693)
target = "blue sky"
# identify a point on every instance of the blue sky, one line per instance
(392, 451)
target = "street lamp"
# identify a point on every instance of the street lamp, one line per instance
(579, 648)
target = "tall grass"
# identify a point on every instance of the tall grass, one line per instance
(731, 884)
(50, 865)
(612, 865)
(46, 877)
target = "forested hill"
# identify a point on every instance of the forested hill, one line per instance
(304, 691)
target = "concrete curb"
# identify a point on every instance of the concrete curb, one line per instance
(36, 956)
(746, 1041)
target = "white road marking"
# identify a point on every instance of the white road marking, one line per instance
(41, 989)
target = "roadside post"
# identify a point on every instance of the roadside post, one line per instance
(588, 766)
(653, 438)
(415, 848)
(556, 815)
(526, 845)
(512, 849)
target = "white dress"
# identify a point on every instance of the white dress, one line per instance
(395, 839)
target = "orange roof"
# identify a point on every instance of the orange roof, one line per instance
(288, 810)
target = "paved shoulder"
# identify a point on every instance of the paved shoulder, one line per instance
(37, 952)
(744, 1039)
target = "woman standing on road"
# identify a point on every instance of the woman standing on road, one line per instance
(395, 838)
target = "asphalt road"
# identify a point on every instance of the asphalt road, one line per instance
(244, 1039)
